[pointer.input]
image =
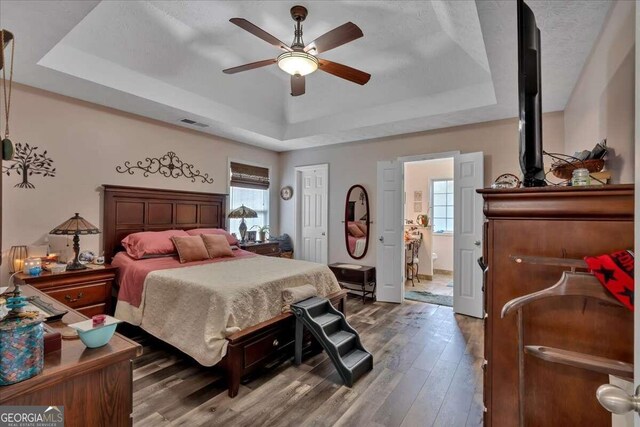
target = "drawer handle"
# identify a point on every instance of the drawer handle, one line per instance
(276, 342)
(71, 299)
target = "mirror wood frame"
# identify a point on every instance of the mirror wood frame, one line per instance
(346, 221)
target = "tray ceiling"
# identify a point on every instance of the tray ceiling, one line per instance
(433, 64)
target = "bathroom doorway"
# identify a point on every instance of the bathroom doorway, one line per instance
(428, 230)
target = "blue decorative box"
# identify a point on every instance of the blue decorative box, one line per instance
(21, 349)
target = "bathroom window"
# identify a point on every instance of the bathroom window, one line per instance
(442, 205)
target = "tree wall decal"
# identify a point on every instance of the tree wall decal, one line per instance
(27, 162)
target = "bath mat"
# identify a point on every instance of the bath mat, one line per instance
(425, 296)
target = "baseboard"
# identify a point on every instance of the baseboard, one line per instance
(445, 272)
(425, 277)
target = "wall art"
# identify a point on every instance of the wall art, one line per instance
(417, 206)
(168, 165)
(27, 163)
(417, 196)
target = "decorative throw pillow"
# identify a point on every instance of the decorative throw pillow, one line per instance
(362, 227)
(148, 244)
(217, 231)
(190, 248)
(355, 231)
(217, 245)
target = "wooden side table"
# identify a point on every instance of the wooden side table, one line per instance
(262, 248)
(364, 278)
(88, 291)
(93, 384)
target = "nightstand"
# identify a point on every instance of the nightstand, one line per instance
(262, 248)
(87, 291)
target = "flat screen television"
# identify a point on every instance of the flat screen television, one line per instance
(530, 97)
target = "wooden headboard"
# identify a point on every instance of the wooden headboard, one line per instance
(128, 210)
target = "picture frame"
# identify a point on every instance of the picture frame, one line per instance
(251, 236)
(417, 207)
(417, 196)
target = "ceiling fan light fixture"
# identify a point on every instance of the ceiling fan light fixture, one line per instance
(297, 63)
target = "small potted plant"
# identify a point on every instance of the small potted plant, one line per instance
(262, 232)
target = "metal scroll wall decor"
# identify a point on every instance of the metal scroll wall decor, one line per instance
(27, 162)
(168, 165)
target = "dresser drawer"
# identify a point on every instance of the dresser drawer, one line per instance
(265, 347)
(348, 275)
(267, 249)
(82, 296)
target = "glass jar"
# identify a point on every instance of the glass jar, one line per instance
(580, 177)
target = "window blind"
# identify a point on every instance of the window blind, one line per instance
(248, 176)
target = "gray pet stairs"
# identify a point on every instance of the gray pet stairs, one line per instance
(335, 335)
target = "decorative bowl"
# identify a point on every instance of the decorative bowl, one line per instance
(94, 337)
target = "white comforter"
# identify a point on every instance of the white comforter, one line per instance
(195, 308)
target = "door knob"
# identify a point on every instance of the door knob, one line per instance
(477, 243)
(616, 400)
(324, 234)
(381, 239)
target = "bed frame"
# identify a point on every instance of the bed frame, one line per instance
(131, 209)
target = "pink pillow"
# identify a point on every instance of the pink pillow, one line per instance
(190, 248)
(362, 227)
(355, 231)
(219, 231)
(217, 245)
(151, 243)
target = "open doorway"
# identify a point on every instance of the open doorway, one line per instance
(428, 230)
(468, 176)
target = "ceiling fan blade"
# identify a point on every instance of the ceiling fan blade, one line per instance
(334, 38)
(259, 32)
(250, 66)
(343, 71)
(297, 85)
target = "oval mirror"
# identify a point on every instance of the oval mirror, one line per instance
(356, 222)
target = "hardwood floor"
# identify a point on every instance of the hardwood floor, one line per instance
(427, 371)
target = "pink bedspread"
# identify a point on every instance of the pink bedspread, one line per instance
(132, 273)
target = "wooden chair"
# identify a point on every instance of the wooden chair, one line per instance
(412, 260)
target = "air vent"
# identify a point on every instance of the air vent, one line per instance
(194, 123)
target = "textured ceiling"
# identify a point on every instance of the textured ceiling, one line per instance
(433, 64)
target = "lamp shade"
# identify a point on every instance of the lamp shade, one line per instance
(17, 255)
(243, 212)
(75, 225)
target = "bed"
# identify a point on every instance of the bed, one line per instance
(223, 312)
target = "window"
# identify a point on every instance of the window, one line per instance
(249, 186)
(256, 199)
(442, 205)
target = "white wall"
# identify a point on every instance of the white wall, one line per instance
(417, 177)
(602, 102)
(87, 142)
(356, 163)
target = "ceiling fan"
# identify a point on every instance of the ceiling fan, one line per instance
(300, 60)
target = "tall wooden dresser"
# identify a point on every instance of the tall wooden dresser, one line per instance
(561, 222)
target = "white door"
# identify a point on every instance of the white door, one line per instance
(314, 210)
(389, 249)
(468, 176)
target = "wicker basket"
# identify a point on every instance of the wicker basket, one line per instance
(564, 170)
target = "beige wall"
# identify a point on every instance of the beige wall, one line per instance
(602, 102)
(356, 163)
(87, 142)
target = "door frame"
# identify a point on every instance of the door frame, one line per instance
(297, 206)
(415, 158)
(409, 159)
